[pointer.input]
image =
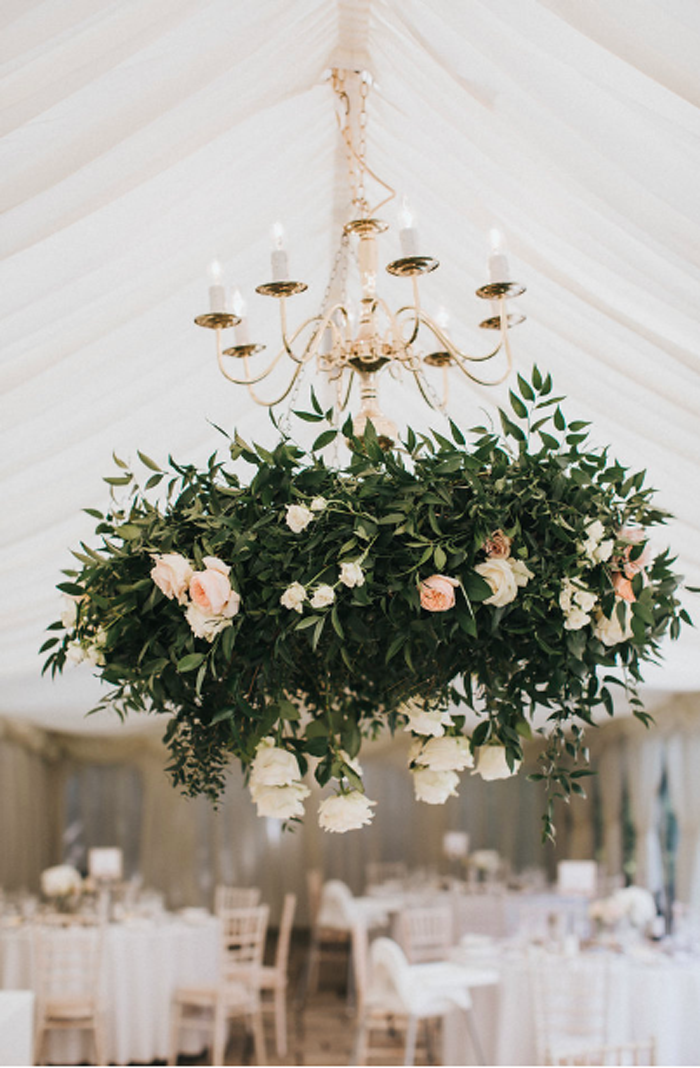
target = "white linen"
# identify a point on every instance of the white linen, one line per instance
(140, 140)
(16, 1027)
(143, 962)
(650, 995)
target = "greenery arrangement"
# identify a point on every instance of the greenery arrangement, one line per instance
(292, 616)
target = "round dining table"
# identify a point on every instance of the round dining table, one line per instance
(143, 960)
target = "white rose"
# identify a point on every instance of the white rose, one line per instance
(521, 571)
(500, 577)
(636, 903)
(576, 618)
(280, 802)
(604, 551)
(584, 599)
(566, 595)
(323, 596)
(352, 762)
(607, 629)
(172, 574)
(298, 517)
(422, 720)
(94, 655)
(294, 597)
(272, 765)
(69, 615)
(493, 764)
(75, 654)
(434, 787)
(446, 754)
(205, 625)
(60, 880)
(351, 574)
(345, 812)
(318, 504)
(212, 563)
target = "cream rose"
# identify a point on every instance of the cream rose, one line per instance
(446, 754)
(493, 764)
(75, 654)
(521, 572)
(172, 574)
(280, 802)
(576, 618)
(351, 574)
(205, 625)
(434, 787)
(345, 812)
(322, 596)
(501, 579)
(607, 629)
(211, 591)
(298, 517)
(318, 504)
(294, 597)
(422, 720)
(60, 881)
(69, 615)
(437, 593)
(273, 765)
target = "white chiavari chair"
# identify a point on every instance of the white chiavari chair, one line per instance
(236, 994)
(67, 959)
(235, 897)
(425, 933)
(627, 1054)
(380, 872)
(273, 978)
(570, 1000)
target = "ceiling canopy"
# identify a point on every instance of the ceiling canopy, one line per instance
(142, 139)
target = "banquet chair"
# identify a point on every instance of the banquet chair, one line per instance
(235, 897)
(629, 1053)
(379, 872)
(272, 978)
(67, 960)
(236, 994)
(570, 1001)
(331, 933)
(425, 933)
(399, 997)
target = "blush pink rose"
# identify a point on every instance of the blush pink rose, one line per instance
(623, 587)
(211, 591)
(437, 593)
(634, 537)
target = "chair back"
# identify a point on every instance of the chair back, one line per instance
(235, 897)
(285, 933)
(425, 934)
(67, 962)
(630, 1053)
(336, 907)
(388, 986)
(378, 872)
(314, 886)
(570, 998)
(243, 934)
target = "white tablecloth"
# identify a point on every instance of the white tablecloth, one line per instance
(651, 994)
(16, 1027)
(143, 962)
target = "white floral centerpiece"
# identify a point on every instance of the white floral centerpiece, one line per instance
(62, 884)
(631, 905)
(286, 619)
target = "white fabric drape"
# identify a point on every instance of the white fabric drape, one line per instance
(139, 140)
(644, 759)
(611, 783)
(683, 762)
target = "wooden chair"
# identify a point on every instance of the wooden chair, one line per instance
(236, 994)
(629, 1053)
(235, 897)
(273, 978)
(425, 933)
(67, 961)
(570, 1000)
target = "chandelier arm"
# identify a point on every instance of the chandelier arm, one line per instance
(247, 381)
(278, 400)
(418, 375)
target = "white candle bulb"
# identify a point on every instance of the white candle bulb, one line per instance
(498, 261)
(217, 290)
(239, 309)
(280, 265)
(408, 235)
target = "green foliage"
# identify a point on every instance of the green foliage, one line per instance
(426, 507)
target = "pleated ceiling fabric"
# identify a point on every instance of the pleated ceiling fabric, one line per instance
(142, 139)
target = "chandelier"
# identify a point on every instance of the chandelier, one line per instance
(345, 341)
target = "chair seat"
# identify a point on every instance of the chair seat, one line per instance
(73, 1009)
(206, 996)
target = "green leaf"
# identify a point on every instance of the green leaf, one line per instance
(323, 439)
(117, 480)
(517, 405)
(190, 662)
(439, 557)
(71, 588)
(147, 461)
(525, 388)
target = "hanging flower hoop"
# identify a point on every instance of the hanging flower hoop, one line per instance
(290, 617)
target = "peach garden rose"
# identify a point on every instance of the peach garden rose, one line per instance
(437, 593)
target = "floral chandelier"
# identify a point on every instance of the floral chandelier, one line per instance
(342, 343)
(284, 619)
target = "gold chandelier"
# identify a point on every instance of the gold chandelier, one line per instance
(344, 344)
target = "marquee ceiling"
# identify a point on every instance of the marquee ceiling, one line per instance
(141, 138)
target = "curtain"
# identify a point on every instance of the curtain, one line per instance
(28, 827)
(610, 779)
(645, 760)
(683, 764)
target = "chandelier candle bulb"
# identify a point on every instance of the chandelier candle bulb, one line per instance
(408, 235)
(498, 261)
(239, 310)
(280, 264)
(218, 297)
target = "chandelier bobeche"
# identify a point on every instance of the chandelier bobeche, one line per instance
(343, 344)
